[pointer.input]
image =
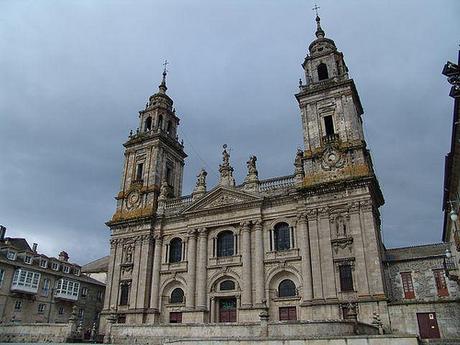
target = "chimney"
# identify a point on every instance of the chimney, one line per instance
(2, 233)
(34, 247)
(63, 256)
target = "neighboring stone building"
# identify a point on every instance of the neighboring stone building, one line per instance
(304, 249)
(421, 298)
(35, 288)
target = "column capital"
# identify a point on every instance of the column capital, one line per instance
(245, 226)
(191, 233)
(302, 217)
(158, 238)
(312, 213)
(202, 232)
(257, 224)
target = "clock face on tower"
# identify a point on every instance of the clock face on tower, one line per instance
(133, 200)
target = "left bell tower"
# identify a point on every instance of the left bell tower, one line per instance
(153, 157)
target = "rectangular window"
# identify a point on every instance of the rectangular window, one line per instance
(41, 308)
(76, 271)
(25, 280)
(68, 287)
(2, 276)
(81, 313)
(10, 255)
(408, 286)
(66, 269)
(54, 266)
(329, 125)
(441, 285)
(139, 171)
(346, 278)
(124, 294)
(28, 259)
(84, 292)
(43, 263)
(287, 313)
(18, 305)
(61, 310)
(175, 317)
(46, 287)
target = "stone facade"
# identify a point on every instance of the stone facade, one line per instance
(286, 251)
(300, 247)
(35, 288)
(432, 292)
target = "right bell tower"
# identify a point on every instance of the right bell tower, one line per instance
(331, 111)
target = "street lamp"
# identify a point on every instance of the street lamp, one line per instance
(446, 257)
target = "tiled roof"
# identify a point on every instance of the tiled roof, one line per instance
(416, 252)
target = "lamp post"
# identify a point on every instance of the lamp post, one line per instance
(445, 263)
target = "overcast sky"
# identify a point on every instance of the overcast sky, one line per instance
(73, 75)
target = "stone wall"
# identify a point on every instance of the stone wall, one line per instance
(404, 317)
(24, 333)
(368, 340)
(159, 334)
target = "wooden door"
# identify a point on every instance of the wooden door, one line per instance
(227, 310)
(175, 317)
(428, 325)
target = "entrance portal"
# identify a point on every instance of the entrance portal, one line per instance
(227, 309)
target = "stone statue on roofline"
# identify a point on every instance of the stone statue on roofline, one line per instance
(251, 182)
(226, 170)
(200, 187)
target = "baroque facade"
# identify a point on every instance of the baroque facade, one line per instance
(300, 248)
(305, 246)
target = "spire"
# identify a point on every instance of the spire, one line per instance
(319, 31)
(162, 86)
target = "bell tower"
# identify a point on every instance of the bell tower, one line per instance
(153, 157)
(335, 148)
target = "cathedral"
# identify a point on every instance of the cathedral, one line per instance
(303, 249)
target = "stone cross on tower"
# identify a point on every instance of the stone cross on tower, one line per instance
(226, 170)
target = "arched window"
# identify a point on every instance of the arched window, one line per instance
(287, 288)
(177, 296)
(148, 124)
(225, 244)
(322, 72)
(160, 121)
(282, 236)
(169, 127)
(175, 250)
(227, 285)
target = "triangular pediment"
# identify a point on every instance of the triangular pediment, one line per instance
(222, 197)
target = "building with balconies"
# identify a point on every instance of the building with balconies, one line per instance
(35, 288)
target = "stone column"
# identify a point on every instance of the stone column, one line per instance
(154, 298)
(201, 275)
(327, 264)
(115, 285)
(259, 264)
(110, 274)
(246, 294)
(191, 266)
(304, 247)
(315, 254)
(144, 272)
